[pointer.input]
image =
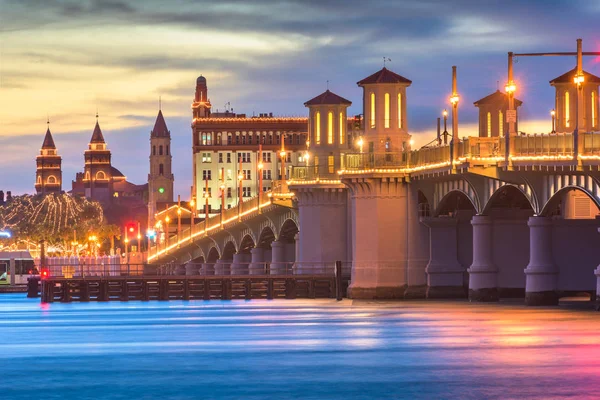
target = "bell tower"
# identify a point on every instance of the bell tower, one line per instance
(384, 110)
(48, 174)
(98, 169)
(160, 178)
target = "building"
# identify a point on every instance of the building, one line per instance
(226, 148)
(566, 102)
(160, 178)
(48, 173)
(492, 114)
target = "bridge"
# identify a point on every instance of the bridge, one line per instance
(486, 216)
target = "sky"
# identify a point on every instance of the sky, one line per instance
(66, 60)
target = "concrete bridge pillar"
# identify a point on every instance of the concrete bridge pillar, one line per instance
(240, 264)
(597, 273)
(223, 267)
(257, 261)
(444, 272)
(418, 250)
(541, 272)
(379, 237)
(278, 259)
(483, 274)
(208, 269)
(192, 268)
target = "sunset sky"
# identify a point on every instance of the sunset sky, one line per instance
(66, 59)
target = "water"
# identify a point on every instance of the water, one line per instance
(295, 349)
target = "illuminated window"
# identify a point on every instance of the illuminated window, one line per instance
(372, 110)
(489, 124)
(39, 179)
(330, 127)
(593, 108)
(87, 175)
(400, 110)
(500, 123)
(318, 128)
(51, 179)
(341, 128)
(386, 122)
(331, 164)
(567, 113)
(100, 175)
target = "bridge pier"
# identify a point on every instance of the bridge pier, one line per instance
(240, 264)
(257, 261)
(208, 269)
(541, 272)
(223, 267)
(444, 272)
(418, 250)
(483, 274)
(192, 268)
(278, 259)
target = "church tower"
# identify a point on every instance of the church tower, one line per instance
(384, 110)
(327, 132)
(201, 105)
(48, 174)
(160, 178)
(97, 177)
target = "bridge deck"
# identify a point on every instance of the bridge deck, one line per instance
(226, 287)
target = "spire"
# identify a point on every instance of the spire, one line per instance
(160, 126)
(48, 140)
(97, 136)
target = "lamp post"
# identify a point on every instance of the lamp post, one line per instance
(454, 99)
(240, 188)
(167, 219)
(578, 79)
(222, 201)
(206, 196)
(260, 166)
(282, 154)
(445, 114)
(192, 217)
(553, 114)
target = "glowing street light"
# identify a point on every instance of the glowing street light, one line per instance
(360, 143)
(553, 114)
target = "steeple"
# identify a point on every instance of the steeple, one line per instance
(160, 127)
(97, 136)
(48, 174)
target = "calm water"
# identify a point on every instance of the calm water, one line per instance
(295, 349)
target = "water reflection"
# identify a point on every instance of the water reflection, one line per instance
(295, 349)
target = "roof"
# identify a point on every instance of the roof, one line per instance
(160, 126)
(97, 136)
(327, 97)
(384, 76)
(496, 97)
(201, 80)
(568, 77)
(116, 173)
(48, 141)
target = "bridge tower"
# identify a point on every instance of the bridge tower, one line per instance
(566, 102)
(384, 110)
(98, 170)
(323, 200)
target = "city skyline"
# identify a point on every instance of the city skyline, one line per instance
(118, 58)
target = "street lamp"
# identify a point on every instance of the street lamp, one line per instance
(360, 143)
(167, 219)
(553, 114)
(222, 201)
(578, 79)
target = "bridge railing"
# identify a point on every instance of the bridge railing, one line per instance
(228, 267)
(591, 143)
(549, 145)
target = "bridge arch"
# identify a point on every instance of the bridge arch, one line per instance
(246, 244)
(446, 190)
(266, 237)
(228, 251)
(553, 202)
(454, 201)
(288, 231)
(510, 196)
(213, 255)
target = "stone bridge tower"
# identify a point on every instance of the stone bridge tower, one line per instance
(48, 174)
(160, 178)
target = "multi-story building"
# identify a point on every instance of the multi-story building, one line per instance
(226, 150)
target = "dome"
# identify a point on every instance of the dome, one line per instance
(201, 80)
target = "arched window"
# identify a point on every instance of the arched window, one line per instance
(594, 109)
(219, 138)
(209, 137)
(39, 179)
(51, 179)
(330, 127)
(249, 136)
(567, 111)
(161, 169)
(341, 128)
(500, 123)
(237, 138)
(160, 150)
(372, 110)
(167, 149)
(87, 175)
(400, 110)
(270, 138)
(318, 128)
(153, 150)
(100, 175)
(229, 138)
(386, 121)
(489, 124)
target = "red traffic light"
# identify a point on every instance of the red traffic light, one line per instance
(45, 273)
(131, 229)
